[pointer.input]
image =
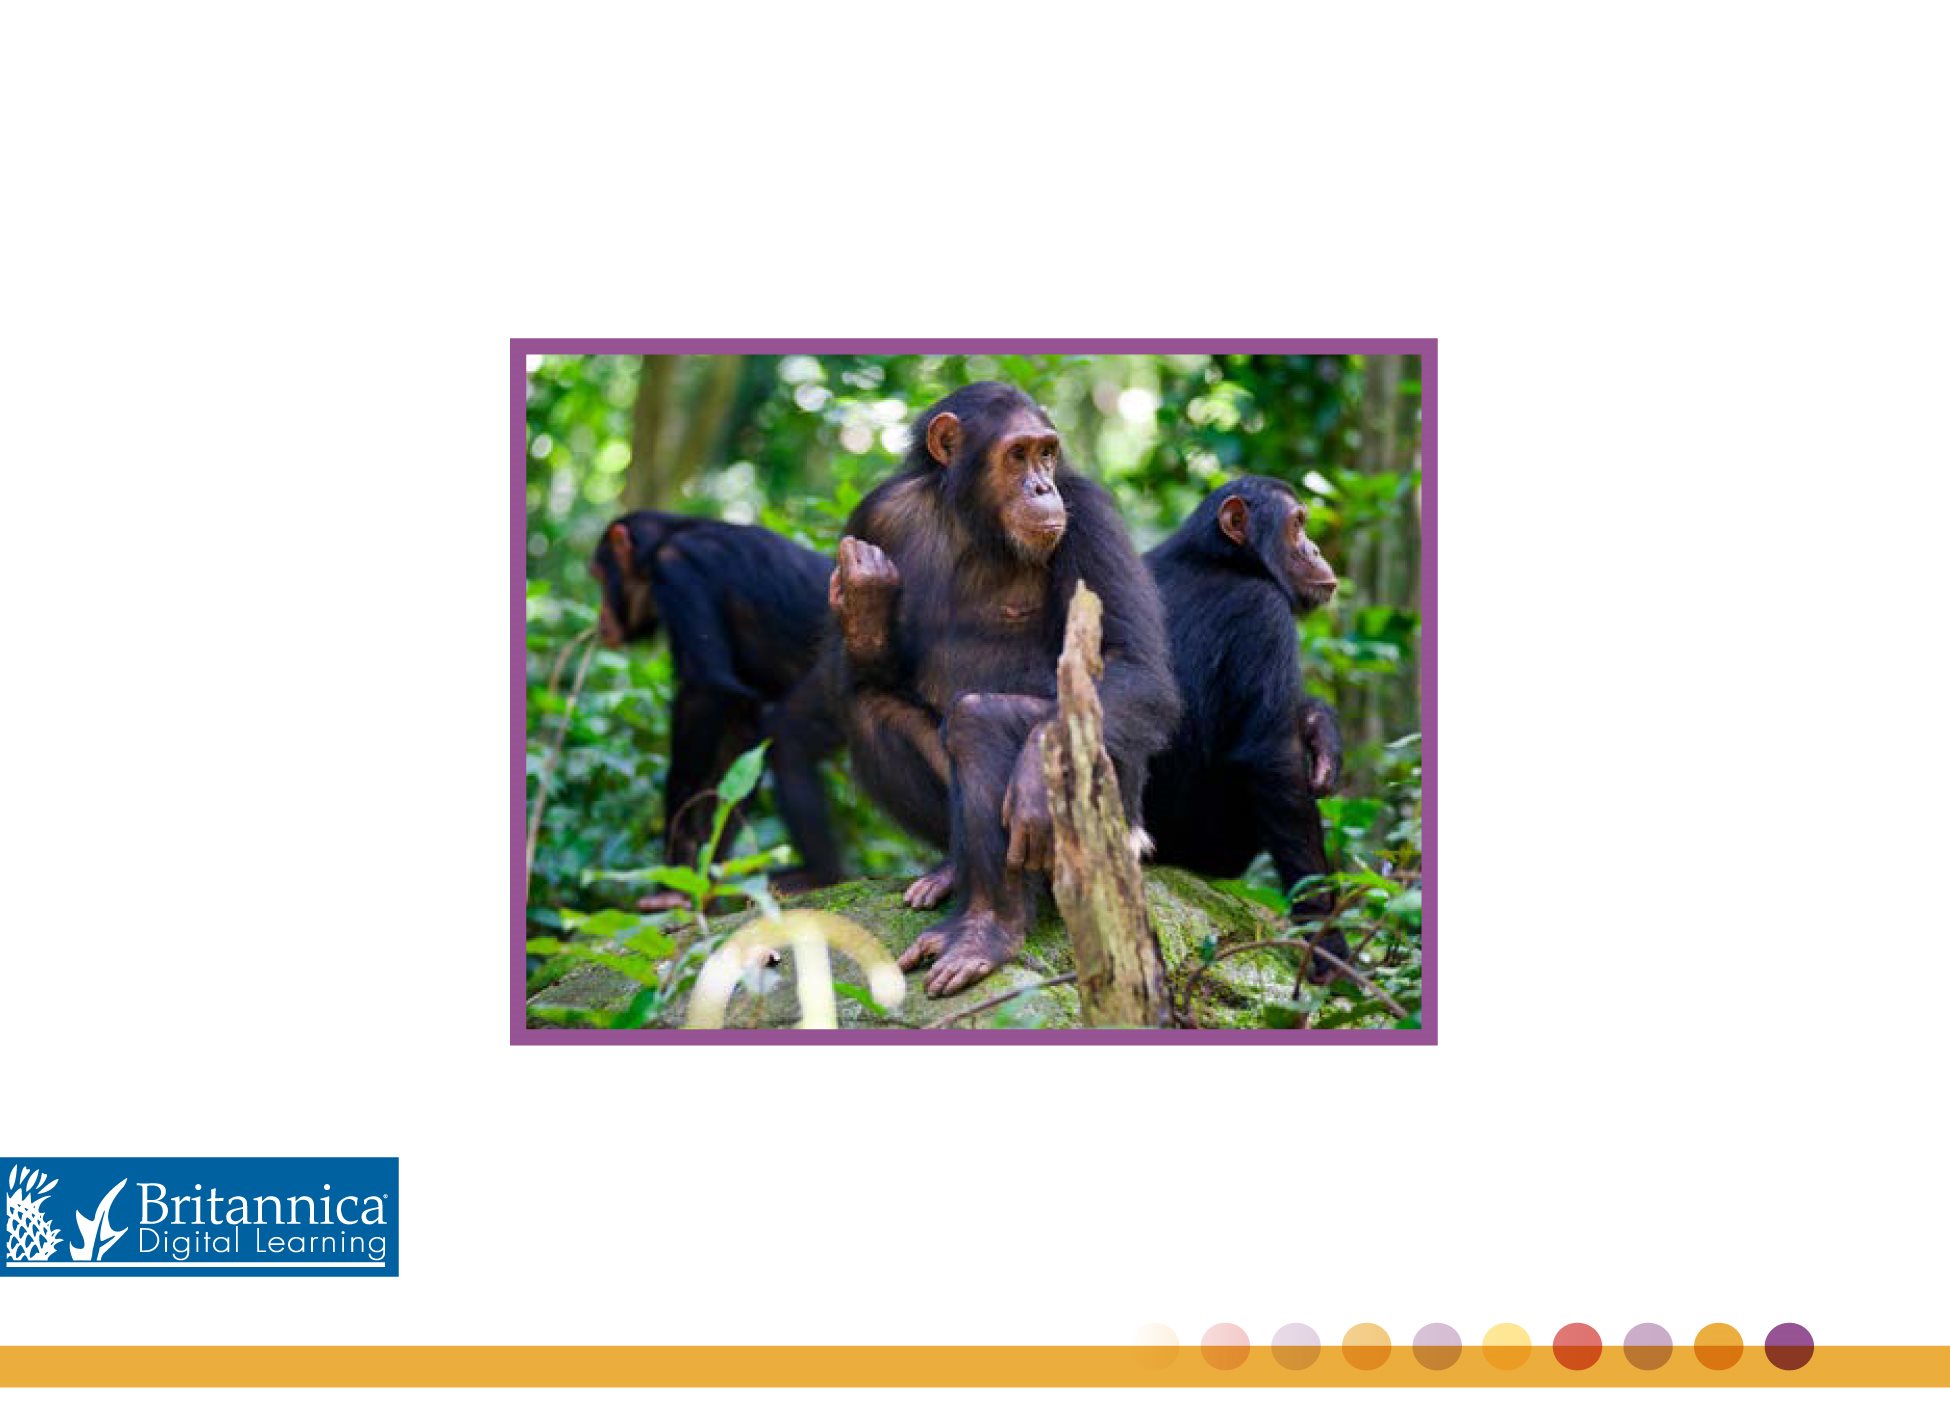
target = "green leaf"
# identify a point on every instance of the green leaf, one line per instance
(859, 993)
(1280, 1014)
(544, 945)
(608, 924)
(740, 866)
(1265, 895)
(651, 943)
(678, 878)
(742, 776)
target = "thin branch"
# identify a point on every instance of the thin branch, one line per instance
(1336, 961)
(555, 748)
(1300, 979)
(988, 1004)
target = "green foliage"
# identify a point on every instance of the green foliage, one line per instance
(792, 442)
(638, 945)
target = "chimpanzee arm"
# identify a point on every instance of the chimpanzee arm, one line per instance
(863, 593)
(1320, 730)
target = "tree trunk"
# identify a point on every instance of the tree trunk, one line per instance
(1099, 888)
(704, 427)
(648, 485)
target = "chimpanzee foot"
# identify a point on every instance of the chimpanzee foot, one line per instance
(966, 949)
(932, 889)
(1322, 971)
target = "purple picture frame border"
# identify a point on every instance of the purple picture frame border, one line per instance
(521, 348)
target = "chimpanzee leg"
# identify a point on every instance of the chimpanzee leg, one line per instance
(803, 734)
(984, 736)
(897, 757)
(709, 728)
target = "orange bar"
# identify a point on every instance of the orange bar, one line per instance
(925, 1366)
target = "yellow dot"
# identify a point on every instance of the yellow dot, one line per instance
(1506, 1346)
(1366, 1347)
(1718, 1346)
(1157, 1346)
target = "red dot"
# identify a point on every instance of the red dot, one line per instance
(1577, 1347)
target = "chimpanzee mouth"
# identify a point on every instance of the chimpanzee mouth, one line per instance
(1315, 593)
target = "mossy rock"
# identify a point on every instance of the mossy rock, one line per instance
(1187, 912)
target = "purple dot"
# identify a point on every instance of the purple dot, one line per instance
(1295, 1346)
(1790, 1346)
(1437, 1346)
(1648, 1346)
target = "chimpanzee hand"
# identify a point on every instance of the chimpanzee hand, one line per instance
(1025, 809)
(1320, 731)
(861, 594)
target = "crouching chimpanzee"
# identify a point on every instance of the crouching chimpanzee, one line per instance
(745, 610)
(1253, 753)
(950, 596)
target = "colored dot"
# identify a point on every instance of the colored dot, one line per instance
(1718, 1346)
(1157, 1346)
(1577, 1347)
(1366, 1347)
(1224, 1347)
(1647, 1346)
(1437, 1347)
(1295, 1346)
(1790, 1347)
(1506, 1346)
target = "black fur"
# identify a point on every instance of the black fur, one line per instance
(1236, 779)
(745, 610)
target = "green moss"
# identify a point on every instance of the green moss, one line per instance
(1186, 911)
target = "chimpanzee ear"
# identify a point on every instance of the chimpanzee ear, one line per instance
(944, 437)
(1232, 519)
(620, 548)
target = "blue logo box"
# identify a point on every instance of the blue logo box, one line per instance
(237, 1217)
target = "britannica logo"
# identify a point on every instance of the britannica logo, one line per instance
(209, 1216)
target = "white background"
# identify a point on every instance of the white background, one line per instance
(1685, 263)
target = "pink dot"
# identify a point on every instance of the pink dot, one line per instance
(1225, 1347)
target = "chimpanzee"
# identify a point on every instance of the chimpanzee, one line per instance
(745, 609)
(1243, 772)
(950, 598)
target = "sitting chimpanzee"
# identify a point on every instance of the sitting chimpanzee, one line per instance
(1237, 778)
(745, 610)
(950, 597)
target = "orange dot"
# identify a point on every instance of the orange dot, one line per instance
(1225, 1347)
(1506, 1346)
(1577, 1347)
(1366, 1347)
(1718, 1346)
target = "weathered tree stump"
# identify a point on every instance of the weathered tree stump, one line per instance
(1098, 886)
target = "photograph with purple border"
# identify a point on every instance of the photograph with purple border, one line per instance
(1036, 691)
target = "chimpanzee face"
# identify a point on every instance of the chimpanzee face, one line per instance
(629, 611)
(1015, 474)
(1274, 527)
